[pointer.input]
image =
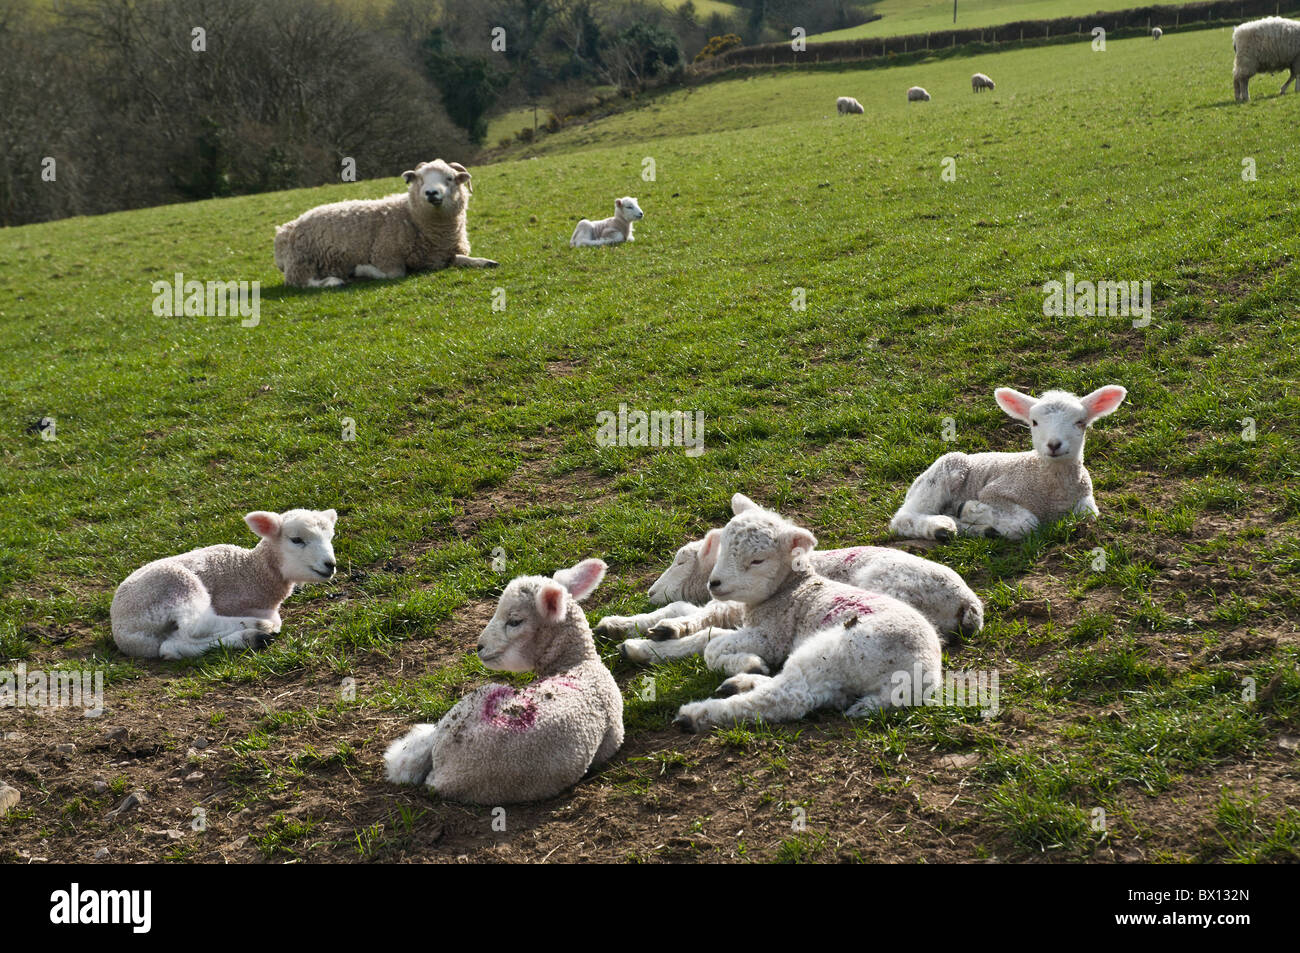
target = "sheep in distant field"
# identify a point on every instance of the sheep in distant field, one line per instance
(1265, 46)
(1157, 33)
(1010, 494)
(182, 606)
(420, 229)
(847, 105)
(979, 82)
(936, 591)
(609, 231)
(836, 645)
(500, 745)
(917, 94)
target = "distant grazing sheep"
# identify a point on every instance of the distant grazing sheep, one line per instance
(501, 745)
(182, 606)
(609, 231)
(420, 229)
(980, 82)
(1265, 46)
(847, 105)
(1157, 33)
(1009, 494)
(917, 94)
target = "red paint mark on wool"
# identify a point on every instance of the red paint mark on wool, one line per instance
(509, 710)
(843, 605)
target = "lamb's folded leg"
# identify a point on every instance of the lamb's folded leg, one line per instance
(921, 515)
(785, 697)
(615, 625)
(648, 650)
(738, 652)
(720, 615)
(996, 519)
(465, 261)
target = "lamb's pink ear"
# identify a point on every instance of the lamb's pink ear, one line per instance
(741, 503)
(410, 175)
(802, 542)
(583, 578)
(552, 601)
(1016, 404)
(1103, 401)
(709, 551)
(266, 525)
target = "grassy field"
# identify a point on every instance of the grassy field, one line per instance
(898, 17)
(1158, 685)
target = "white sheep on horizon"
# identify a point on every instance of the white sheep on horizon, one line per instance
(609, 231)
(1010, 494)
(980, 82)
(421, 229)
(847, 105)
(500, 745)
(1264, 46)
(182, 606)
(917, 94)
(1157, 33)
(835, 645)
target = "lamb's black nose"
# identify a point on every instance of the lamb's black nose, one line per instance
(715, 583)
(330, 566)
(1054, 446)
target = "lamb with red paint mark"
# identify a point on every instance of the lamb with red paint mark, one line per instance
(500, 745)
(836, 646)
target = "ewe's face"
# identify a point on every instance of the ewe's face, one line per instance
(304, 539)
(438, 184)
(631, 211)
(755, 556)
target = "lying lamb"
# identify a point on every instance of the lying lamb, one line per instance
(917, 94)
(183, 606)
(609, 231)
(836, 645)
(499, 745)
(847, 105)
(1264, 46)
(420, 229)
(936, 591)
(1010, 494)
(980, 82)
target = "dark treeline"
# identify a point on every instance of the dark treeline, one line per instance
(115, 104)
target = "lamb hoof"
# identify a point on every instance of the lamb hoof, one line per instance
(943, 535)
(662, 633)
(726, 689)
(991, 533)
(686, 724)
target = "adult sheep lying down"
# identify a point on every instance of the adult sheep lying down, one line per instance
(421, 229)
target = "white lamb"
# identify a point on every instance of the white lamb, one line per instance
(499, 745)
(980, 82)
(182, 606)
(836, 645)
(936, 591)
(1010, 494)
(420, 229)
(1265, 46)
(609, 231)
(847, 105)
(1157, 33)
(917, 94)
